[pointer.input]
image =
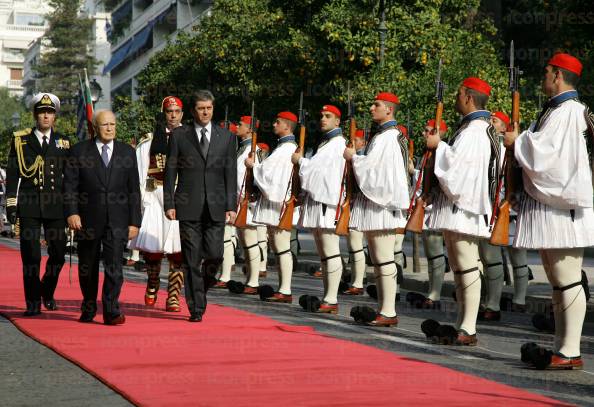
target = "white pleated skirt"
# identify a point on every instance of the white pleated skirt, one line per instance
(540, 226)
(268, 213)
(314, 216)
(445, 215)
(368, 216)
(157, 234)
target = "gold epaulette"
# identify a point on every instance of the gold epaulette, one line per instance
(22, 133)
(146, 137)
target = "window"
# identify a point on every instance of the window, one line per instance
(16, 74)
(29, 19)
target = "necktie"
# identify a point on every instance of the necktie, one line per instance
(104, 155)
(204, 142)
(44, 144)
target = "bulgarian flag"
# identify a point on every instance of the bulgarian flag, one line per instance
(88, 105)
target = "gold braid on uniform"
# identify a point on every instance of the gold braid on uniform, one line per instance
(36, 168)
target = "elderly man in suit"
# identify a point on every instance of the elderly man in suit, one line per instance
(102, 204)
(200, 192)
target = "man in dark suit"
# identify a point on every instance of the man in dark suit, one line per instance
(201, 161)
(102, 204)
(34, 194)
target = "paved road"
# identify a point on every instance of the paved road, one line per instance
(496, 357)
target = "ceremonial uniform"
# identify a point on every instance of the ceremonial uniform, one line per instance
(35, 173)
(158, 236)
(556, 213)
(381, 207)
(493, 263)
(249, 235)
(356, 250)
(321, 178)
(467, 169)
(272, 176)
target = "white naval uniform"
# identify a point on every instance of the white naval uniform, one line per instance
(381, 207)
(272, 176)
(321, 179)
(157, 234)
(556, 213)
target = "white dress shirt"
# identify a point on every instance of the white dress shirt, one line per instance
(109, 145)
(198, 128)
(39, 134)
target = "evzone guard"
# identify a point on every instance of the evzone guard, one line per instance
(466, 168)
(381, 207)
(556, 214)
(158, 236)
(272, 176)
(321, 178)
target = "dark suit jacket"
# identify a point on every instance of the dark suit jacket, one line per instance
(38, 199)
(201, 180)
(103, 196)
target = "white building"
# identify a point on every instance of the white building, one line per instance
(99, 48)
(21, 23)
(139, 29)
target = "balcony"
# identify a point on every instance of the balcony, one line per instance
(22, 28)
(14, 84)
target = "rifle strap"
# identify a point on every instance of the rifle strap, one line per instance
(466, 271)
(325, 259)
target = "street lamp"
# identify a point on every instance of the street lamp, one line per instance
(382, 30)
(96, 91)
(16, 119)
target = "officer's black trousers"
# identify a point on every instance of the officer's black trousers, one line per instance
(55, 235)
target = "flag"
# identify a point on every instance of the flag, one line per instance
(80, 112)
(88, 105)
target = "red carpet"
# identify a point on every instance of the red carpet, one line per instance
(235, 358)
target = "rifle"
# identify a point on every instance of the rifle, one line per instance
(342, 220)
(416, 214)
(248, 179)
(499, 224)
(286, 219)
(226, 122)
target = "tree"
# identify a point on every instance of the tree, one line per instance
(269, 50)
(134, 119)
(68, 37)
(9, 105)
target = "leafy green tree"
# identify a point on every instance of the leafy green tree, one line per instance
(269, 50)
(68, 36)
(134, 119)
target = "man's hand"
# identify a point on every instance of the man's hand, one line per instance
(296, 157)
(170, 213)
(132, 232)
(432, 140)
(230, 216)
(348, 154)
(511, 136)
(74, 222)
(11, 214)
(249, 162)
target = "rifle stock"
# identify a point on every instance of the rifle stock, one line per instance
(248, 186)
(286, 219)
(342, 225)
(501, 213)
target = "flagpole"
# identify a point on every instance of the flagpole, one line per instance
(89, 105)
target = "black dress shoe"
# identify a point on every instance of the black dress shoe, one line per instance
(86, 317)
(195, 317)
(115, 320)
(50, 305)
(32, 312)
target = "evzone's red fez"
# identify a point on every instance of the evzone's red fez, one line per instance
(567, 62)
